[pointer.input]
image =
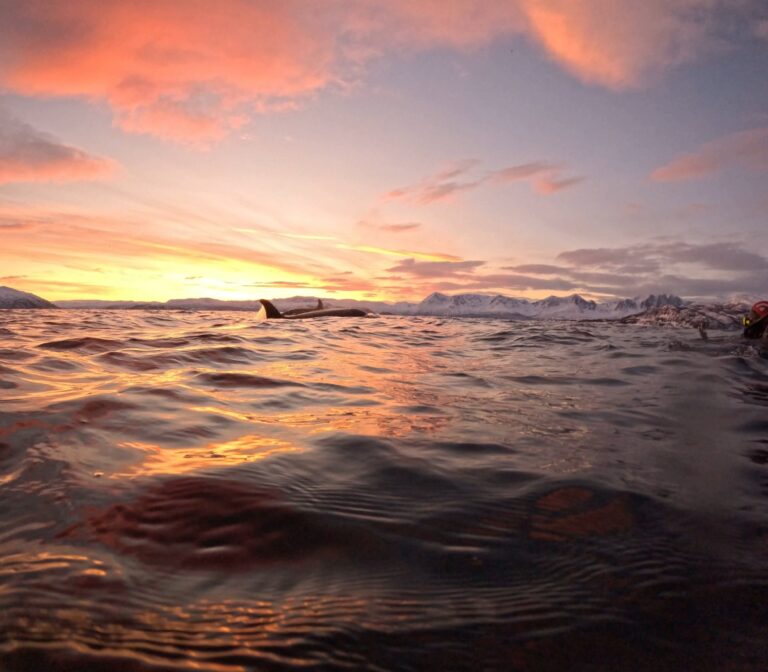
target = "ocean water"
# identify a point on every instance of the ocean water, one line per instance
(201, 491)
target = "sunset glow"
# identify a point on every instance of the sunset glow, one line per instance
(383, 149)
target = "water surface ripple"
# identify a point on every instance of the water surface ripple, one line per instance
(201, 491)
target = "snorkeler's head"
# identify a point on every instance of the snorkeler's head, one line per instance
(756, 322)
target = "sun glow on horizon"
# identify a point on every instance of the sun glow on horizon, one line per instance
(382, 150)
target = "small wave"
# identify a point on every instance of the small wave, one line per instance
(469, 379)
(98, 408)
(244, 380)
(15, 355)
(167, 393)
(213, 523)
(84, 344)
(54, 364)
(159, 342)
(205, 356)
(559, 380)
(126, 361)
(639, 370)
(498, 336)
(206, 337)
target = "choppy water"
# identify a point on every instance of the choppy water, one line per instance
(199, 491)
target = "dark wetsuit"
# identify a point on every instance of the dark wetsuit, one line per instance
(757, 329)
(756, 323)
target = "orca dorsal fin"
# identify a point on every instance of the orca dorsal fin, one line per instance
(272, 311)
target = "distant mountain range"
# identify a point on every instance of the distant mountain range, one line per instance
(172, 304)
(558, 307)
(458, 305)
(652, 309)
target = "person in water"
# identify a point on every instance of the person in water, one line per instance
(756, 323)
(273, 313)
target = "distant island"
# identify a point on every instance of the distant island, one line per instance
(659, 309)
(13, 298)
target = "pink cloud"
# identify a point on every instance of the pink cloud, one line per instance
(621, 44)
(551, 185)
(27, 155)
(192, 72)
(177, 69)
(442, 186)
(545, 178)
(390, 227)
(618, 44)
(523, 171)
(747, 149)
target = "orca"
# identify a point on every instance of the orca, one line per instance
(272, 313)
(297, 311)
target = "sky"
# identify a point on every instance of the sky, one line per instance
(383, 149)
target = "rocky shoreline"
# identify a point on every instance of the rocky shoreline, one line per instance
(705, 316)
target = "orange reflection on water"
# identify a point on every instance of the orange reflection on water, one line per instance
(376, 391)
(387, 422)
(162, 460)
(227, 413)
(43, 562)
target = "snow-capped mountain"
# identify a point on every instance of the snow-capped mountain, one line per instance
(553, 307)
(573, 307)
(654, 301)
(627, 305)
(471, 305)
(13, 298)
(653, 309)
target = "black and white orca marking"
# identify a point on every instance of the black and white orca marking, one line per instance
(273, 313)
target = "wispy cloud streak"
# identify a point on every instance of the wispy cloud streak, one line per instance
(28, 155)
(544, 177)
(746, 149)
(392, 227)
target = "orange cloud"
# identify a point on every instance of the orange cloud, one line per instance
(190, 72)
(620, 44)
(748, 149)
(177, 69)
(27, 155)
(62, 243)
